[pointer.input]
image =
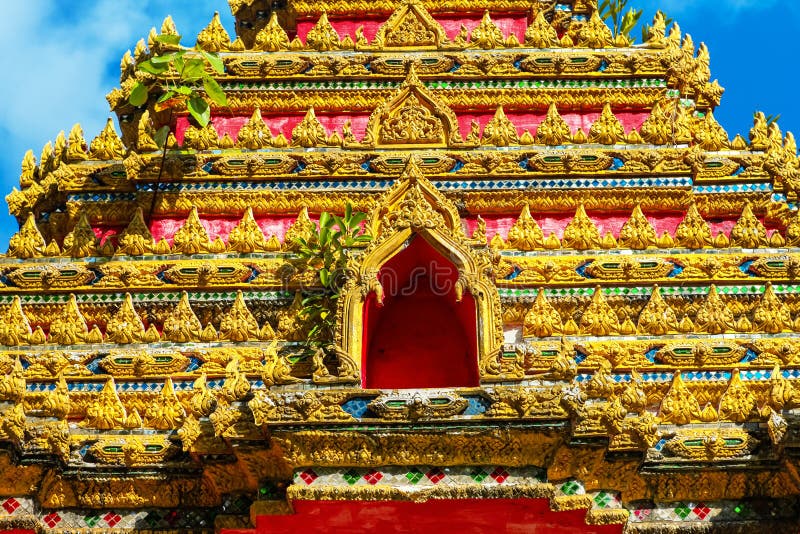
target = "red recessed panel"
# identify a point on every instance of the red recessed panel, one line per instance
(497, 516)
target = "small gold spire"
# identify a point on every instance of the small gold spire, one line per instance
(272, 37)
(679, 406)
(553, 130)
(657, 128)
(770, 314)
(657, 318)
(541, 34)
(500, 131)
(693, 231)
(77, 145)
(203, 401)
(595, 33)
(247, 237)
(713, 316)
(309, 132)
(214, 37)
(599, 318)
(12, 385)
(28, 242)
(497, 242)
(106, 412)
(759, 136)
(710, 135)
(323, 37)
(81, 241)
(136, 239)
(637, 233)
(146, 134)
(107, 146)
(738, 403)
(657, 31)
(581, 233)
(479, 234)
(47, 159)
(166, 412)
(168, 27)
(303, 228)
(487, 35)
(239, 324)
(542, 320)
(255, 134)
(205, 138)
(56, 403)
(607, 129)
(69, 328)
(125, 326)
(182, 325)
(748, 232)
(209, 334)
(580, 137)
(526, 234)
(192, 237)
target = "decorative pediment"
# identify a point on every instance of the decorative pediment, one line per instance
(411, 25)
(413, 117)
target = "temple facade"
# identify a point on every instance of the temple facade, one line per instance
(575, 307)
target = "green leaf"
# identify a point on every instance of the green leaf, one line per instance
(161, 136)
(184, 90)
(166, 96)
(194, 69)
(152, 68)
(348, 212)
(166, 59)
(364, 238)
(138, 95)
(168, 39)
(200, 110)
(324, 219)
(215, 61)
(357, 219)
(214, 91)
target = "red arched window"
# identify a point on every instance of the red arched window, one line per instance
(421, 337)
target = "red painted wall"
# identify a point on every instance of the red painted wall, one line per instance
(496, 516)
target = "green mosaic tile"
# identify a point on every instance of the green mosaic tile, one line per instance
(570, 487)
(682, 511)
(91, 520)
(603, 499)
(479, 475)
(351, 476)
(414, 476)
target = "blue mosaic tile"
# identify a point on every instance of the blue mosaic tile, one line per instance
(477, 405)
(357, 407)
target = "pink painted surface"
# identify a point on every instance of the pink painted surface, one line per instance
(221, 226)
(515, 23)
(530, 121)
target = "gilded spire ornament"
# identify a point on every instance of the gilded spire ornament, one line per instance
(770, 314)
(595, 33)
(214, 37)
(581, 233)
(77, 146)
(323, 37)
(607, 129)
(793, 231)
(238, 324)
(657, 31)
(192, 237)
(738, 403)
(479, 235)
(203, 401)
(749, 232)
(487, 35)
(106, 411)
(277, 369)
(657, 318)
(713, 316)
(182, 325)
(29, 168)
(15, 329)
(309, 132)
(709, 134)
(247, 237)
(599, 318)
(542, 320)
(637, 233)
(136, 239)
(12, 385)
(526, 234)
(166, 411)
(81, 241)
(56, 403)
(70, 327)
(203, 138)
(680, 406)
(657, 129)
(60, 148)
(255, 134)
(302, 228)
(146, 134)
(693, 231)
(541, 34)
(107, 145)
(553, 130)
(500, 131)
(272, 37)
(125, 326)
(28, 242)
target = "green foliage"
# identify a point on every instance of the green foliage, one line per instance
(773, 119)
(183, 72)
(327, 252)
(623, 22)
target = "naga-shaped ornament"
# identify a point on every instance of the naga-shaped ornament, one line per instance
(236, 385)
(203, 401)
(28, 174)
(76, 150)
(526, 234)
(759, 133)
(500, 131)
(657, 31)
(542, 320)
(277, 369)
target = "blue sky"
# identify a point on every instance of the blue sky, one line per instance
(59, 61)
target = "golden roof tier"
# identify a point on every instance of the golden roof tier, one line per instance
(568, 296)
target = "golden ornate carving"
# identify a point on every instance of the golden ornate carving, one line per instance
(748, 231)
(657, 318)
(272, 37)
(238, 324)
(738, 404)
(77, 150)
(595, 33)
(710, 135)
(553, 130)
(108, 145)
(247, 237)
(214, 37)
(637, 232)
(70, 327)
(136, 239)
(411, 25)
(693, 231)
(599, 318)
(542, 320)
(192, 237)
(28, 242)
(12, 385)
(204, 138)
(106, 412)
(679, 406)
(182, 325)
(500, 131)
(81, 241)
(309, 132)
(15, 329)
(526, 234)
(541, 34)
(125, 326)
(255, 134)
(166, 412)
(323, 36)
(713, 316)
(770, 314)
(607, 129)
(487, 35)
